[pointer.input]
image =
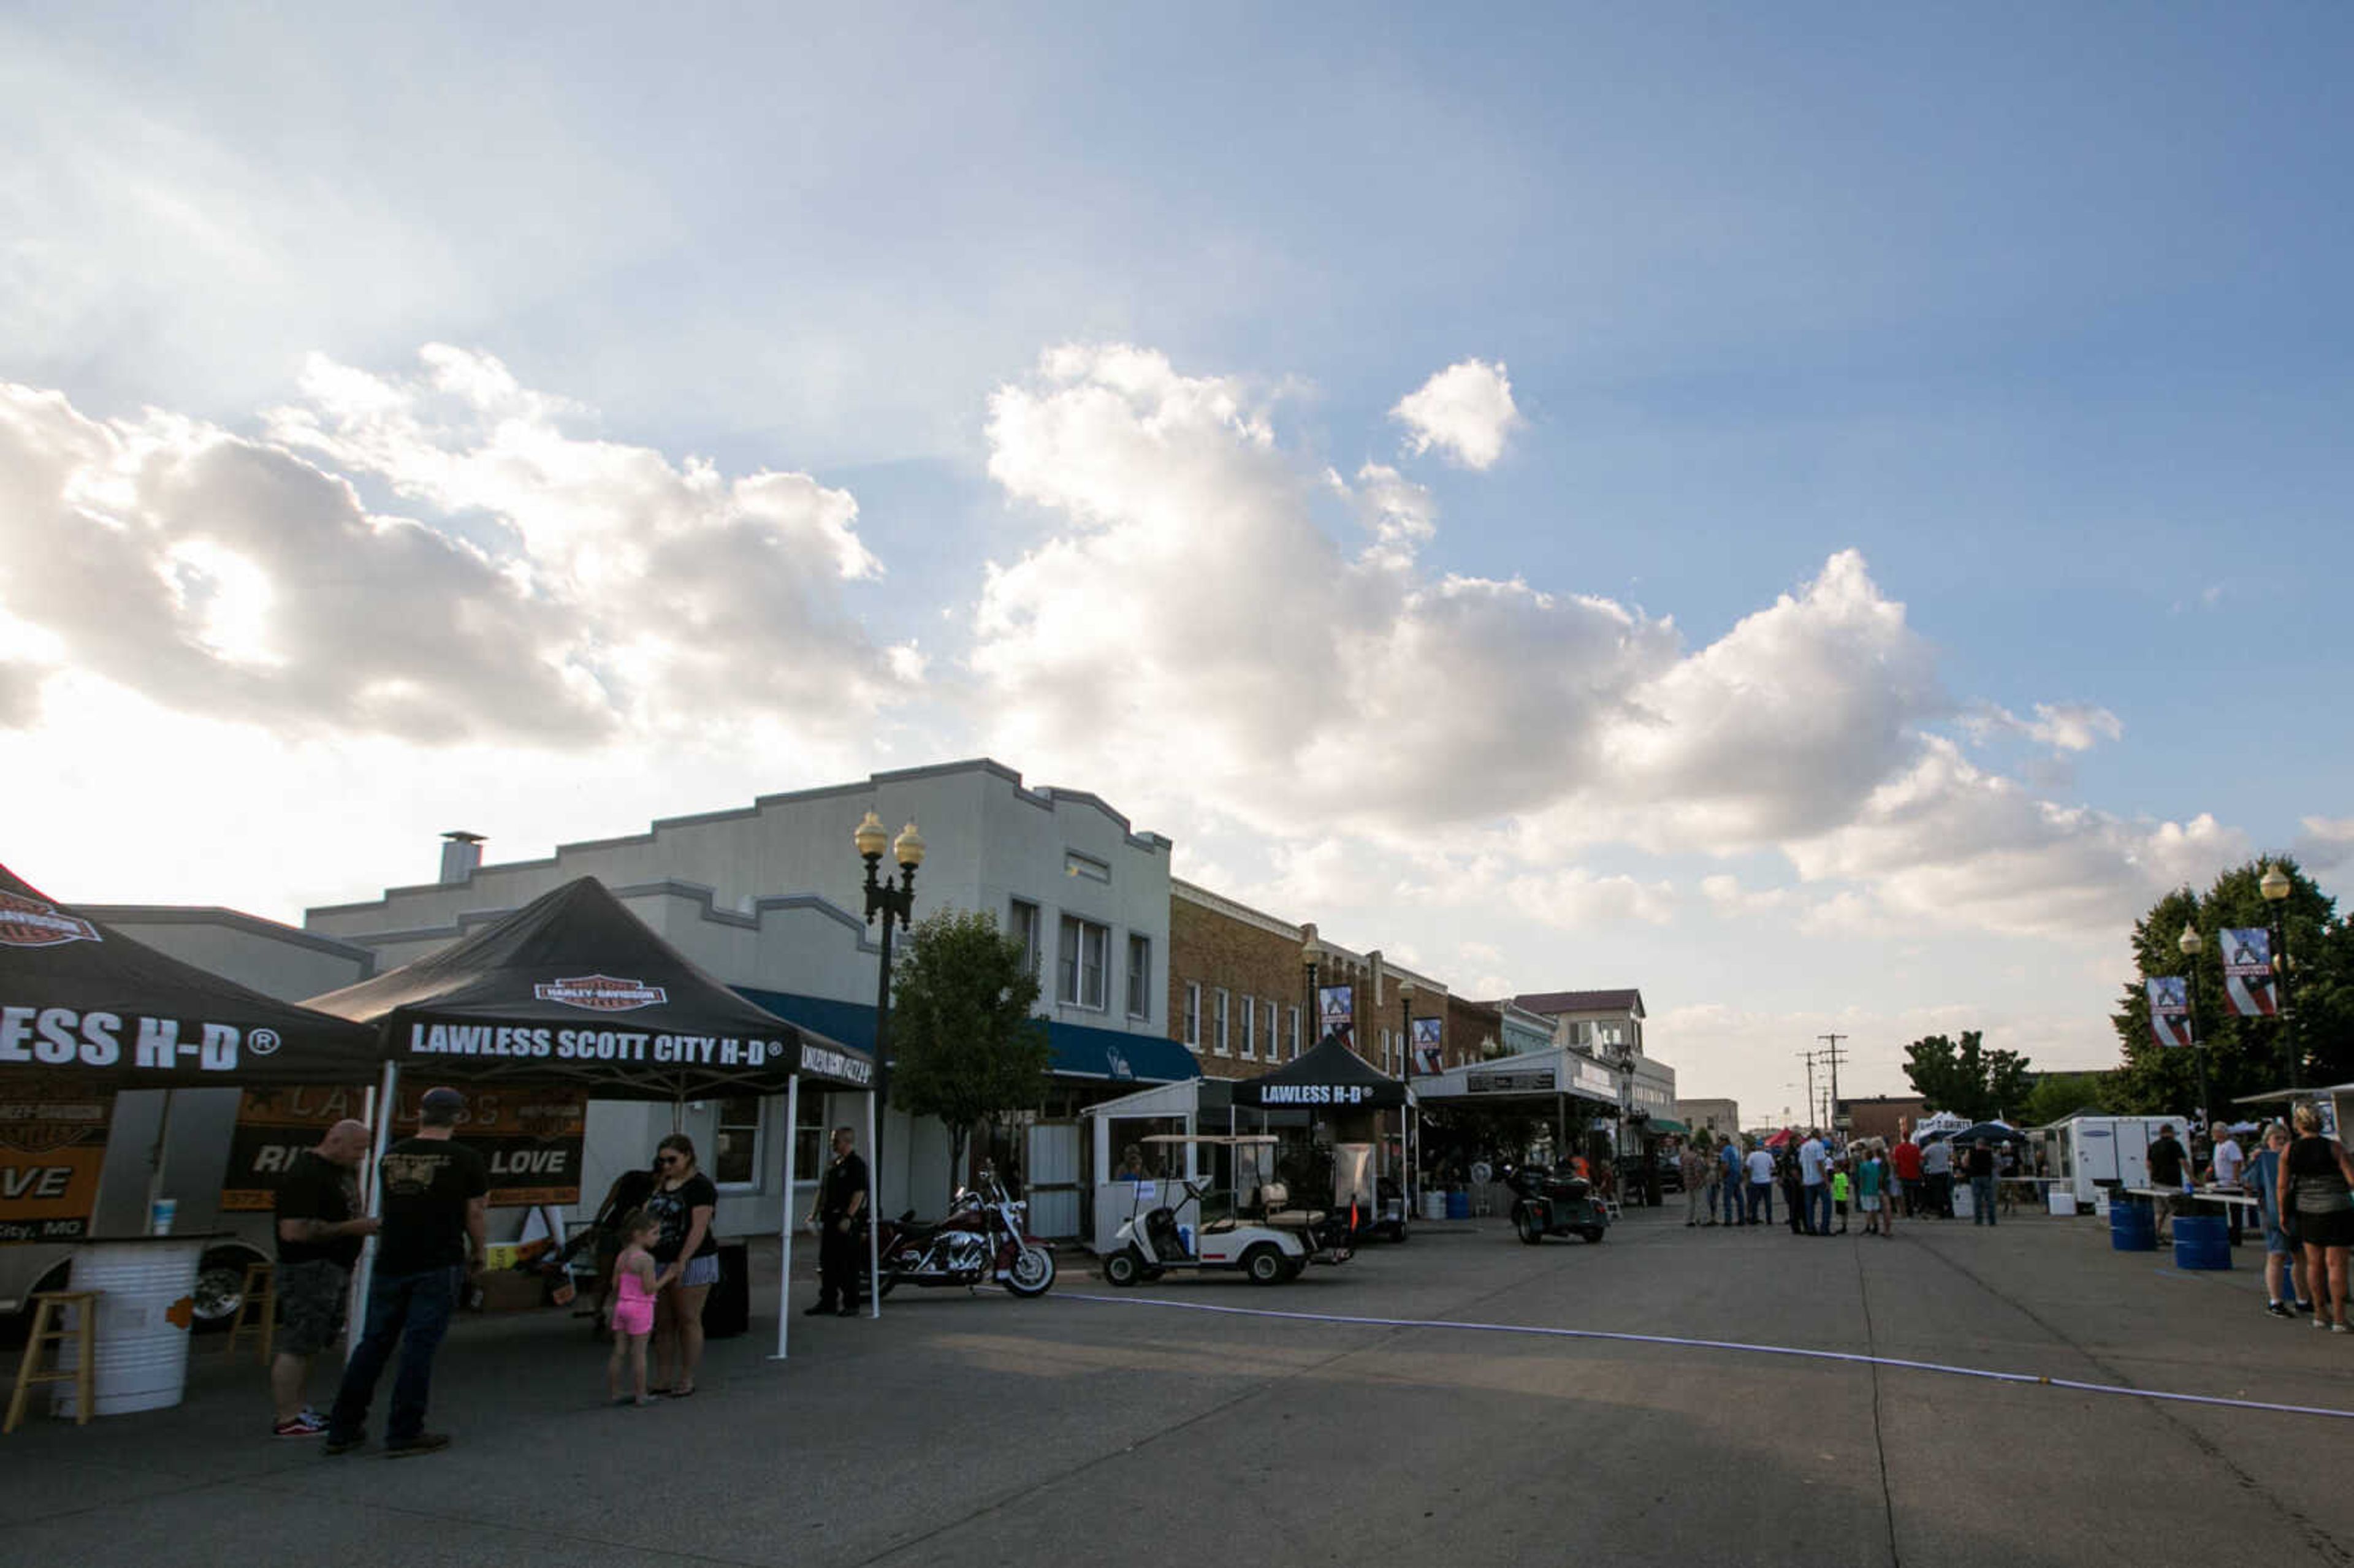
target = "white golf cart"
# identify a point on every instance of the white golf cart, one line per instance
(1255, 1232)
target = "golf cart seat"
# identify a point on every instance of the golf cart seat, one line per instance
(1272, 1195)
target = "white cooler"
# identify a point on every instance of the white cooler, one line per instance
(2062, 1200)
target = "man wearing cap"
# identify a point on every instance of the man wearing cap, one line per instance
(434, 1200)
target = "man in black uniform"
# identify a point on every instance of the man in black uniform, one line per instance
(434, 1201)
(841, 1199)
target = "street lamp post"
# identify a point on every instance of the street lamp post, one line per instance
(893, 903)
(2277, 889)
(1310, 953)
(2188, 944)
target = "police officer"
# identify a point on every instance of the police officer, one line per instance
(841, 1199)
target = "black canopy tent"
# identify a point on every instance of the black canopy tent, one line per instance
(85, 1010)
(574, 988)
(1330, 1077)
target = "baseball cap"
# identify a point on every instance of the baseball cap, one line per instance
(444, 1098)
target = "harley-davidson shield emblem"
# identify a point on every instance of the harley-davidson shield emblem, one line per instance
(43, 1126)
(601, 993)
(30, 922)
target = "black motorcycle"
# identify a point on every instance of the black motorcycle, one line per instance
(1555, 1202)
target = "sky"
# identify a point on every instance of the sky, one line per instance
(1819, 514)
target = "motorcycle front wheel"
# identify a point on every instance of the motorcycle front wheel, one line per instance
(1033, 1273)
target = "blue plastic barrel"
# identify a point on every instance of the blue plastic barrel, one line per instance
(1458, 1205)
(2201, 1240)
(2131, 1227)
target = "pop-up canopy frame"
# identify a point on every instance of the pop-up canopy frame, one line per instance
(574, 988)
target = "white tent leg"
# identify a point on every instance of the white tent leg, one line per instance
(372, 1197)
(873, 1220)
(785, 1226)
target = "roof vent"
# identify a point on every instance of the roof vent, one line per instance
(461, 852)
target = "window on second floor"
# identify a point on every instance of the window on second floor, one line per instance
(1085, 952)
(1250, 1028)
(1295, 1033)
(1218, 1042)
(1023, 926)
(1140, 976)
(1194, 1015)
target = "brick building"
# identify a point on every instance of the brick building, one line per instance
(1881, 1115)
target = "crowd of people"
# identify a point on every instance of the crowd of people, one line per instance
(1733, 1181)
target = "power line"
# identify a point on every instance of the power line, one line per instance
(1834, 1056)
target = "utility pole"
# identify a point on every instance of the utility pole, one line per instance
(1831, 1054)
(1810, 1058)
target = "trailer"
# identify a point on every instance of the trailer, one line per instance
(2089, 1152)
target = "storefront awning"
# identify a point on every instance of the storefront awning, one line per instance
(1666, 1126)
(1080, 1052)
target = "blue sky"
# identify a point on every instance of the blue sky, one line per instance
(2038, 311)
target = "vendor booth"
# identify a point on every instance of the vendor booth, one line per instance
(572, 987)
(1544, 1085)
(85, 1013)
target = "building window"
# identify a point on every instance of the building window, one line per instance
(1087, 866)
(1026, 930)
(1085, 949)
(1218, 1021)
(1273, 1043)
(1250, 1028)
(735, 1141)
(1194, 1015)
(809, 1139)
(1295, 1033)
(1139, 977)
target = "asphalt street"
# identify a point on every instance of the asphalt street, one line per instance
(1097, 1426)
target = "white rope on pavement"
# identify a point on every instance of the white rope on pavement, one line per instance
(1854, 1358)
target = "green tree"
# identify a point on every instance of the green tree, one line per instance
(1967, 1078)
(2056, 1094)
(2243, 1056)
(964, 1042)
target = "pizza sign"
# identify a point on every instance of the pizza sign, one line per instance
(30, 922)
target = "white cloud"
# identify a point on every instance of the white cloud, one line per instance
(2062, 727)
(1466, 411)
(2325, 842)
(560, 590)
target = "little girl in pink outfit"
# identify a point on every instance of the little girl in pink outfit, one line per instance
(634, 1307)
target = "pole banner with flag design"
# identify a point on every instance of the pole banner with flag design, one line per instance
(1336, 1013)
(2248, 971)
(1427, 1055)
(2169, 1009)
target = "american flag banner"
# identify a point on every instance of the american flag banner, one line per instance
(1427, 1052)
(2248, 971)
(2169, 1009)
(1336, 1014)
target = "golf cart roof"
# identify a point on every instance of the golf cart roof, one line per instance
(1223, 1140)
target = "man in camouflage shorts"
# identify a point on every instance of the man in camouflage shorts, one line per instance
(320, 1230)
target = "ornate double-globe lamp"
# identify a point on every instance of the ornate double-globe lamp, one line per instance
(893, 903)
(2277, 887)
(2189, 945)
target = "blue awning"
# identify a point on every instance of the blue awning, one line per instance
(1080, 1052)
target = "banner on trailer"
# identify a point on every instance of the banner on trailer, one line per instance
(2248, 971)
(1336, 1013)
(1427, 1056)
(530, 1136)
(52, 1145)
(2169, 1009)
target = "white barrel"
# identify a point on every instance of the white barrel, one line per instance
(143, 1354)
(1434, 1205)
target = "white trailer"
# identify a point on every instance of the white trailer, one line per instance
(2090, 1152)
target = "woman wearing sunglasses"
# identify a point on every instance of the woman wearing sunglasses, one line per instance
(686, 1261)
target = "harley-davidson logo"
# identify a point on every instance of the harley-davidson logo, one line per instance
(30, 922)
(601, 993)
(43, 1126)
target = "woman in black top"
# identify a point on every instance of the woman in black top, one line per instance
(2316, 1186)
(686, 1261)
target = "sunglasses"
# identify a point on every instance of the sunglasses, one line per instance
(666, 1159)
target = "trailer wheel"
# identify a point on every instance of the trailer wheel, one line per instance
(1593, 1234)
(1263, 1263)
(220, 1288)
(1123, 1267)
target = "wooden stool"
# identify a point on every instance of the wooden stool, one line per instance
(257, 1309)
(48, 1329)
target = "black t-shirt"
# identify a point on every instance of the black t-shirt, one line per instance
(427, 1184)
(675, 1208)
(844, 1179)
(2165, 1160)
(317, 1189)
(630, 1191)
(1978, 1162)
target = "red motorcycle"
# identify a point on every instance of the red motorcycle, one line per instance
(982, 1238)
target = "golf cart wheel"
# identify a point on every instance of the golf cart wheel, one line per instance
(1593, 1234)
(1033, 1273)
(1265, 1266)
(1123, 1267)
(1525, 1223)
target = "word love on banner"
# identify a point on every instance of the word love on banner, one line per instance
(2248, 971)
(530, 1136)
(2170, 1011)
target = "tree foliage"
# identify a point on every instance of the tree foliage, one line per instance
(964, 1043)
(2057, 1095)
(1965, 1079)
(2243, 1056)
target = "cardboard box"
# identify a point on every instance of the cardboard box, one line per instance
(505, 1290)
